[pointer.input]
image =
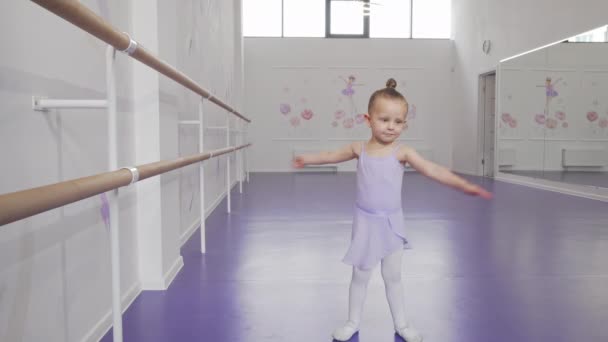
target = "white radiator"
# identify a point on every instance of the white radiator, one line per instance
(587, 157)
(506, 157)
(314, 168)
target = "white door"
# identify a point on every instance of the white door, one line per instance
(489, 114)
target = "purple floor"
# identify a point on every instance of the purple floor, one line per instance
(531, 265)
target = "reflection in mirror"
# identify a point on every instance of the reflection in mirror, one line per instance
(553, 112)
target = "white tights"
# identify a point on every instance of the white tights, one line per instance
(391, 273)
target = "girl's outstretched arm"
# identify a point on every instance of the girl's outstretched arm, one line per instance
(440, 173)
(330, 157)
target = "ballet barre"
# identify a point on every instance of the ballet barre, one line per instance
(84, 18)
(26, 203)
(22, 204)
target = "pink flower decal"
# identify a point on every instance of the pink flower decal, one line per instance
(560, 115)
(348, 123)
(339, 114)
(295, 121)
(592, 116)
(360, 118)
(506, 117)
(551, 123)
(540, 119)
(603, 123)
(306, 114)
(513, 123)
(285, 108)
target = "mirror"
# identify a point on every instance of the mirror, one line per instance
(553, 112)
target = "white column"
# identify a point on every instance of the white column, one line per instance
(113, 197)
(246, 130)
(228, 155)
(146, 109)
(239, 167)
(201, 168)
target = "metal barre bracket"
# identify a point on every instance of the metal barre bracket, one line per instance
(134, 174)
(132, 46)
(44, 104)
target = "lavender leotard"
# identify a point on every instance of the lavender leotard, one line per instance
(378, 223)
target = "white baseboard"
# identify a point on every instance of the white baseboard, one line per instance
(467, 172)
(568, 189)
(217, 202)
(318, 169)
(270, 170)
(196, 224)
(169, 276)
(103, 326)
(188, 233)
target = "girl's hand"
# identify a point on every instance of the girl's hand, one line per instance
(475, 190)
(298, 162)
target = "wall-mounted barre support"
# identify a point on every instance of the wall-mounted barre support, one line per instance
(43, 104)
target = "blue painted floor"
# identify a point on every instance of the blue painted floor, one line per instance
(530, 265)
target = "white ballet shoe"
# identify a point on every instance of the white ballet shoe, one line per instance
(346, 332)
(409, 334)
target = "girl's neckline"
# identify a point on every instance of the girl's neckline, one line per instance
(390, 154)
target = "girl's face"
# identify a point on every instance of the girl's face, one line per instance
(387, 119)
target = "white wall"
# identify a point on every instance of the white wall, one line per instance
(513, 27)
(55, 267)
(209, 38)
(309, 74)
(580, 74)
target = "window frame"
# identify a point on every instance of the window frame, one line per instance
(411, 24)
(328, 33)
(366, 25)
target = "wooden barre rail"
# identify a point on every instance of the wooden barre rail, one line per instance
(22, 204)
(80, 15)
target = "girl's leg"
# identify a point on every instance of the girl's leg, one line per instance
(356, 298)
(391, 273)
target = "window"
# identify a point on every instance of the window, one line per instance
(390, 19)
(304, 18)
(262, 18)
(431, 18)
(347, 18)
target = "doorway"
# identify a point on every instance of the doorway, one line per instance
(487, 119)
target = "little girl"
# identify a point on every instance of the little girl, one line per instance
(378, 226)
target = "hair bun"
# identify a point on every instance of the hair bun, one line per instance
(391, 83)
